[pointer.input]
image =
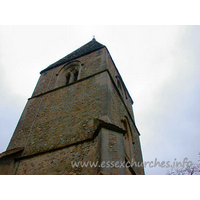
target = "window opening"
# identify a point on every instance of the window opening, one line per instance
(67, 78)
(76, 76)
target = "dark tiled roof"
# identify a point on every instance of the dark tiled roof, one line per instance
(91, 46)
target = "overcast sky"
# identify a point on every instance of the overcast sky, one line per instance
(159, 65)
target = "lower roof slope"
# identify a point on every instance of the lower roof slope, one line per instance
(91, 46)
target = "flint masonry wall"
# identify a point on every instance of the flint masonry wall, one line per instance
(51, 132)
(58, 162)
(62, 117)
(92, 63)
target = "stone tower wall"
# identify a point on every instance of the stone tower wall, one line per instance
(58, 124)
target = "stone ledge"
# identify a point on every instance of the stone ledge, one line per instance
(11, 151)
(98, 124)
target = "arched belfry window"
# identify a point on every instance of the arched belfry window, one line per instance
(68, 73)
(119, 85)
(128, 139)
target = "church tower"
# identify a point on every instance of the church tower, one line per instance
(79, 120)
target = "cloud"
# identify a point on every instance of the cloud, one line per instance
(171, 129)
(159, 65)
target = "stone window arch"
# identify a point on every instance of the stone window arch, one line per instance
(120, 86)
(68, 73)
(128, 139)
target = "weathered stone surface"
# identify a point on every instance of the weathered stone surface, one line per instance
(63, 123)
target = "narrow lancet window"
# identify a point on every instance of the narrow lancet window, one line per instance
(76, 76)
(128, 139)
(67, 78)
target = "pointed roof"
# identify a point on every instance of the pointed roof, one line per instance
(91, 46)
